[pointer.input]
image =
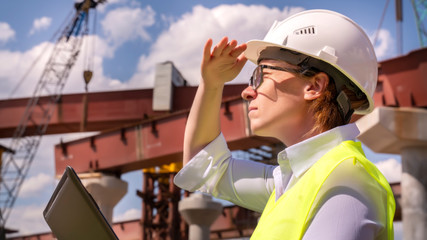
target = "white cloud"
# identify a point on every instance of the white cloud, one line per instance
(183, 42)
(106, 5)
(391, 169)
(15, 64)
(33, 185)
(6, 32)
(28, 220)
(384, 46)
(39, 24)
(130, 214)
(125, 24)
(114, 2)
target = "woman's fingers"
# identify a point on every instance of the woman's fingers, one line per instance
(217, 51)
(227, 51)
(207, 51)
(236, 51)
(223, 62)
(225, 48)
(230, 47)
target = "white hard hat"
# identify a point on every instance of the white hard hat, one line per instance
(333, 39)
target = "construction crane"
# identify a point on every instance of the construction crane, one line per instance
(420, 11)
(24, 143)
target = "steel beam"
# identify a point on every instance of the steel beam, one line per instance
(105, 110)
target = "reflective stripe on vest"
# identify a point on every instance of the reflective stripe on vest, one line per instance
(287, 217)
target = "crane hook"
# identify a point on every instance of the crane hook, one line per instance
(87, 75)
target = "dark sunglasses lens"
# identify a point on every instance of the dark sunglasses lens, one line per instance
(257, 77)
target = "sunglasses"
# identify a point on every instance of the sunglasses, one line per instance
(257, 77)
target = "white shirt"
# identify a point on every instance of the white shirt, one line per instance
(348, 209)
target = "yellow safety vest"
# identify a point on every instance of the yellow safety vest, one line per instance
(287, 218)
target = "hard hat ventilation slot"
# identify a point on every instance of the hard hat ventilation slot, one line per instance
(305, 31)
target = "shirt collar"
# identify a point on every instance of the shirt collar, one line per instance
(303, 155)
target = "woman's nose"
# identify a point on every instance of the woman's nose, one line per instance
(249, 93)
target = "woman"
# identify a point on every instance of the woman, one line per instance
(314, 70)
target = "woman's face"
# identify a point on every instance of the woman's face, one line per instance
(277, 106)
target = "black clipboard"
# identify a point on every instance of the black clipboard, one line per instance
(72, 213)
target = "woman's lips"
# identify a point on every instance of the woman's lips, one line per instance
(252, 108)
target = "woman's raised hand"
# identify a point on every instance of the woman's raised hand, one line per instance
(224, 63)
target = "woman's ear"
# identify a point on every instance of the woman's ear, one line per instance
(316, 86)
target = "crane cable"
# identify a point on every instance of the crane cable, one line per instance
(89, 53)
(88, 73)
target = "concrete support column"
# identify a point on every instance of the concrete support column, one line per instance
(403, 131)
(106, 190)
(199, 211)
(414, 192)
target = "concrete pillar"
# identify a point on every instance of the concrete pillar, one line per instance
(403, 131)
(106, 190)
(199, 211)
(414, 192)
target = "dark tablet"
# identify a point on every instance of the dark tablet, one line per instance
(73, 214)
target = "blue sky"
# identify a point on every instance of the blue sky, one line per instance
(131, 37)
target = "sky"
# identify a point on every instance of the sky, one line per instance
(131, 37)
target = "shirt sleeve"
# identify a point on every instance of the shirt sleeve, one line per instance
(214, 171)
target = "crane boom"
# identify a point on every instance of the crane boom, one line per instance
(24, 143)
(420, 11)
